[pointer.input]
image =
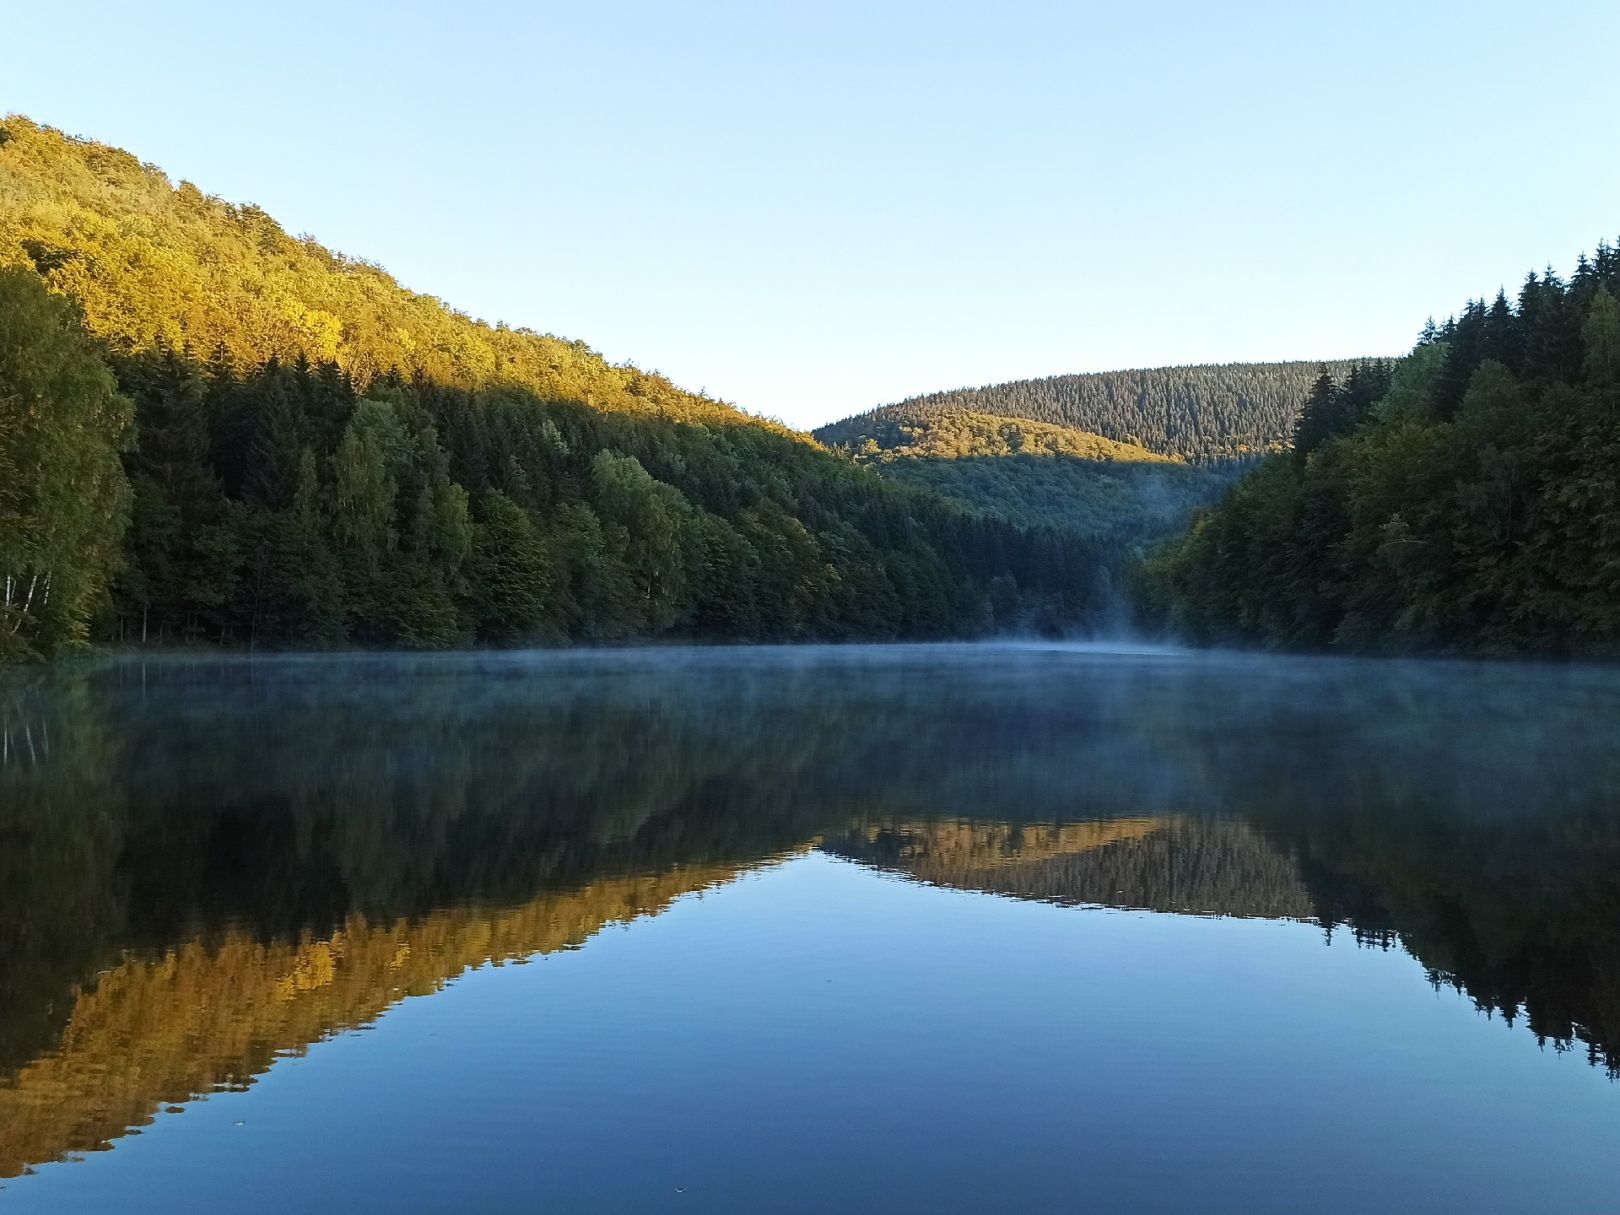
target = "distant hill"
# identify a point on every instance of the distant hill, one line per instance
(1200, 413)
(1125, 455)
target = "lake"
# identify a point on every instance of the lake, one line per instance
(891, 929)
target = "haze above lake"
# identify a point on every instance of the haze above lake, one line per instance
(928, 928)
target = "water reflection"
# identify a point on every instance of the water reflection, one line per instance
(1200, 866)
(214, 1011)
(209, 864)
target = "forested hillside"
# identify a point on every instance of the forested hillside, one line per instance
(1035, 473)
(213, 431)
(1122, 456)
(150, 263)
(1466, 499)
(1206, 414)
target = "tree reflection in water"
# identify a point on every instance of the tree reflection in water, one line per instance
(208, 864)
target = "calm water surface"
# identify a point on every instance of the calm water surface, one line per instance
(866, 929)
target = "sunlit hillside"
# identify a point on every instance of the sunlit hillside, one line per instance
(152, 260)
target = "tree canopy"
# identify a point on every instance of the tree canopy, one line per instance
(1464, 499)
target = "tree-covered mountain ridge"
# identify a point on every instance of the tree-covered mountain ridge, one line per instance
(211, 431)
(1202, 412)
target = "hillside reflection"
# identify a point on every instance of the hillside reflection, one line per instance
(207, 865)
(1200, 866)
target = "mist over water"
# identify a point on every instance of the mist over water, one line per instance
(1121, 923)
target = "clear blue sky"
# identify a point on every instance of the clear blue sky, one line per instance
(811, 208)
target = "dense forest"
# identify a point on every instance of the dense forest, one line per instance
(213, 431)
(1465, 499)
(1207, 414)
(1121, 457)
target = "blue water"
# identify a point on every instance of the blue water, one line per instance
(901, 986)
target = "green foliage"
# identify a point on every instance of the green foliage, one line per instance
(325, 517)
(64, 498)
(512, 572)
(646, 530)
(1464, 500)
(1601, 334)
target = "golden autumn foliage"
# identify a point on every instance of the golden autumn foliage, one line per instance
(150, 261)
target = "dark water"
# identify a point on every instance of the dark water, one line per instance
(898, 929)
